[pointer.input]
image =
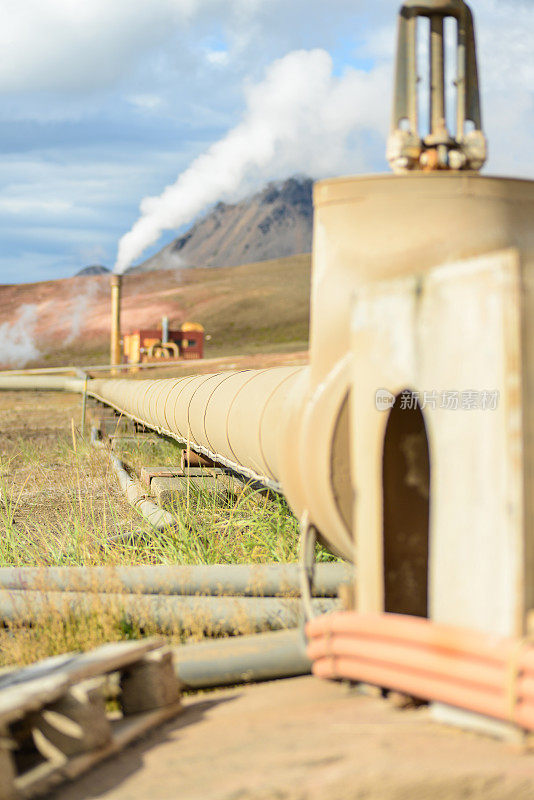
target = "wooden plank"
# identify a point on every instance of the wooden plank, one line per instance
(46, 682)
(40, 781)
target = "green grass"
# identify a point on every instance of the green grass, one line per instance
(60, 505)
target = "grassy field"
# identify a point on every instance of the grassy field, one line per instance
(60, 505)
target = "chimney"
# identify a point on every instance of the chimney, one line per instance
(115, 355)
(164, 330)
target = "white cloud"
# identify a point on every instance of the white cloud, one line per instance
(72, 45)
(300, 118)
(219, 58)
(145, 102)
(28, 205)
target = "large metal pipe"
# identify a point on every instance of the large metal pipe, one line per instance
(166, 613)
(242, 659)
(247, 580)
(234, 418)
(115, 345)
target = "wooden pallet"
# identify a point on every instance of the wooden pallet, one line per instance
(54, 720)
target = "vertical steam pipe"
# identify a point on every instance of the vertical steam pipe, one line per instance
(115, 353)
(411, 32)
(164, 330)
(437, 76)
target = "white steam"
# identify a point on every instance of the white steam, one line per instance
(79, 308)
(300, 118)
(17, 345)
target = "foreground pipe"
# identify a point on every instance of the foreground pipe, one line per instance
(248, 580)
(165, 613)
(242, 659)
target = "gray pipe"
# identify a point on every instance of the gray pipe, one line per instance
(242, 659)
(134, 492)
(166, 613)
(248, 580)
(138, 498)
(47, 383)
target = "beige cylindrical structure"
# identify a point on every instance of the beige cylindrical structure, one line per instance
(115, 345)
(371, 230)
(234, 418)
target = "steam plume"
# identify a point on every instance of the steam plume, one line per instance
(17, 345)
(300, 118)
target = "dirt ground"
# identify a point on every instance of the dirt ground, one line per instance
(305, 739)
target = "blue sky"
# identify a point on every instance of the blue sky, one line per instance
(107, 102)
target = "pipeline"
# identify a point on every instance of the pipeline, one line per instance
(214, 615)
(233, 418)
(478, 672)
(243, 659)
(246, 580)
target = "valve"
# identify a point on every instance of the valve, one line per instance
(440, 149)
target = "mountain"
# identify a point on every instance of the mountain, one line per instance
(275, 223)
(94, 269)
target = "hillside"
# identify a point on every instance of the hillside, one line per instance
(245, 309)
(275, 223)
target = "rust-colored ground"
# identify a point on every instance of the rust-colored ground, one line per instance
(305, 739)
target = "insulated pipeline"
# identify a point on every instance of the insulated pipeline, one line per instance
(255, 580)
(234, 417)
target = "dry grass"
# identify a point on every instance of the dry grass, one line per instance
(60, 505)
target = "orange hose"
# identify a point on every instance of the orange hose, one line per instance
(415, 630)
(467, 669)
(424, 663)
(416, 685)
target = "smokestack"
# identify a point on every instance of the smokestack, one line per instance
(115, 354)
(164, 330)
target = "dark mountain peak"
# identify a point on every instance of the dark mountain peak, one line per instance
(94, 269)
(274, 223)
(295, 191)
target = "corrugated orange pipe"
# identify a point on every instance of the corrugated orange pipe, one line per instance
(467, 669)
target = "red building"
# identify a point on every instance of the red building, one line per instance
(156, 344)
